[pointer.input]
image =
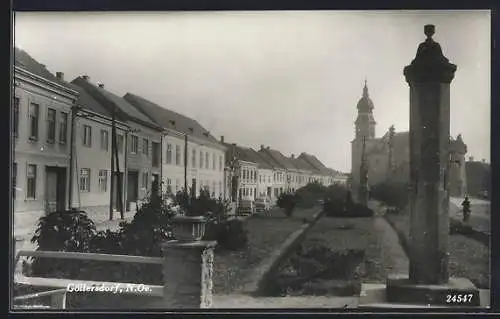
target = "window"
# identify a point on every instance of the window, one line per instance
(33, 119)
(14, 180)
(145, 146)
(193, 158)
(214, 162)
(104, 140)
(134, 144)
(201, 159)
(63, 128)
(31, 182)
(220, 163)
(206, 160)
(169, 154)
(119, 143)
(177, 155)
(85, 180)
(156, 154)
(51, 126)
(145, 180)
(87, 136)
(103, 180)
(15, 118)
(169, 185)
(220, 188)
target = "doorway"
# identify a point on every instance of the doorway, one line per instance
(132, 187)
(117, 187)
(155, 184)
(55, 188)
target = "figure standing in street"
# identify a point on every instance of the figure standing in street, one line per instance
(466, 209)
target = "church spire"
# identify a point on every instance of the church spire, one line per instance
(365, 90)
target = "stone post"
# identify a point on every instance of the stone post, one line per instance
(187, 274)
(429, 77)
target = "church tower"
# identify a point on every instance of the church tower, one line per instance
(364, 134)
(365, 123)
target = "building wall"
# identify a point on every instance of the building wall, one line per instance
(279, 182)
(38, 151)
(265, 181)
(140, 162)
(94, 157)
(207, 176)
(248, 180)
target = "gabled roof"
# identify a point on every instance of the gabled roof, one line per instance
(262, 152)
(259, 159)
(315, 162)
(241, 153)
(126, 111)
(23, 60)
(278, 157)
(169, 119)
(300, 163)
(86, 101)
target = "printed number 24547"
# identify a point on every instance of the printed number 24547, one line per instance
(466, 298)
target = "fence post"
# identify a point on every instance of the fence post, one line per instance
(187, 274)
(58, 301)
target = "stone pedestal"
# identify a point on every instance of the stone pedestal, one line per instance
(187, 274)
(429, 77)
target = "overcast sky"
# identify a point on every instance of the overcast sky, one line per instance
(290, 80)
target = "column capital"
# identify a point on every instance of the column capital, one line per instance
(429, 65)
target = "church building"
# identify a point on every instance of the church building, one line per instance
(387, 157)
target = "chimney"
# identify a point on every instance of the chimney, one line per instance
(268, 148)
(293, 156)
(60, 75)
(261, 147)
(222, 138)
(86, 77)
(101, 85)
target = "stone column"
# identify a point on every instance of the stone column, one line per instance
(429, 77)
(187, 274)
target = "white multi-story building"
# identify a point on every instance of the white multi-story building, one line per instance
(91, 164)
(142, 144)
(202, 166)
(41, 120)
(279, 172)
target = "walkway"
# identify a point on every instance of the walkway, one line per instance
(393, 256)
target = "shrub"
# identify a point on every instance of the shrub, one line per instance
(234, 234)
(69, 231)
(391, 194)
(309, 195)
(287, 201)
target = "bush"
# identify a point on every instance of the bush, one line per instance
(309, 195)
(70, 231)
(391, 194)
(287, 201)
(340, 204)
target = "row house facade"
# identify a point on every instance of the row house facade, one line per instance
(248, 170)
(191, 155)
(279, 182)
(142, 142)
(41, 120)
(91, 160)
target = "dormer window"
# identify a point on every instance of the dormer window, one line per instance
(172, 122)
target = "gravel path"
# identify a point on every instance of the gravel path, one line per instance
(393, 256)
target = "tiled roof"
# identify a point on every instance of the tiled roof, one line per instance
(169, 119)
(23, 60)
(279, 158)
(300, 163)
(241, 153)
(126, 108)
(315, 162)
(88, 102)
(270, 159)
(263, 163)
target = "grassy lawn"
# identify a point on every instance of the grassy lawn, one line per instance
(468, 257)
(265, 235)
(353, 233)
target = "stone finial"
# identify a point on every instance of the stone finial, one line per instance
(430, 65)
(429, 30)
